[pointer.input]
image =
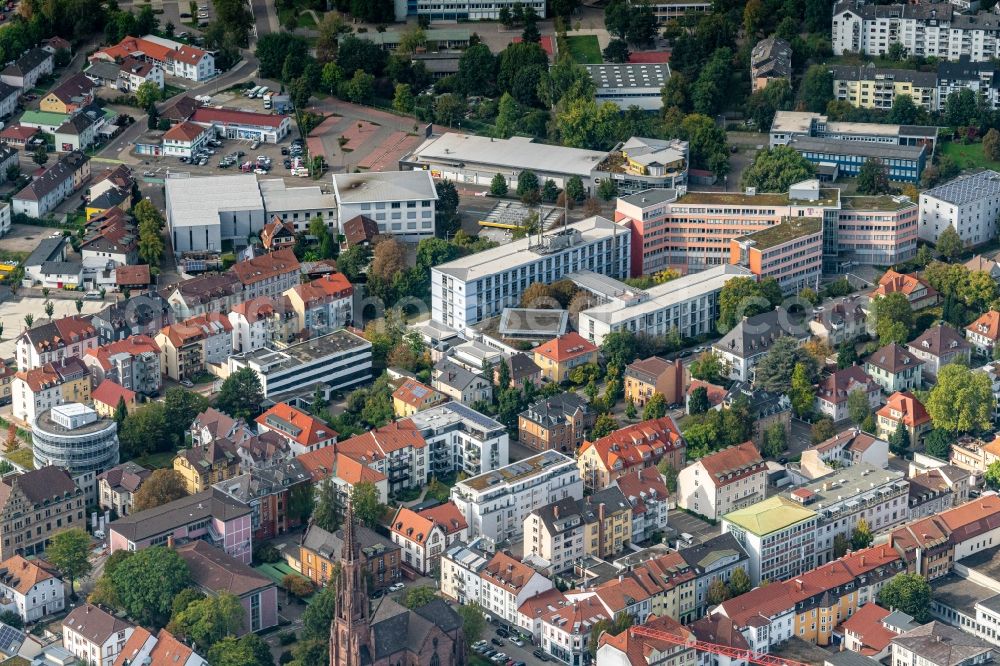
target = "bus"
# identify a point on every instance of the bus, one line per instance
(263, 91)
(253, 92)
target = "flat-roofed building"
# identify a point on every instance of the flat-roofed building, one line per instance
(870, 87)
(203, 212)
(667, 10)
(778, 535)
(969, 204)
(496, 503)
(299, 205)
(877, 231)
(791, 252)
(401, 202)
(473, 288)
(630, 84)
(339, 359)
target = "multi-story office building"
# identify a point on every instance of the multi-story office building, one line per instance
(969, 204)
(871, 87)
(778, 536)
(666, 10)
(451, 11)
(496, 503)
(468, 290)
(340, 359)
(860, 492)
(629, 84)
(877, 231)
(400, 202)
(688, 305)
(73, 437)
(791, 252)
(924, 29)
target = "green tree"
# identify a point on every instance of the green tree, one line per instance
(418, 596)
(248, 650)
(774, 371)
(477, 71)
(40, 156)
(847, 355)
(840, 545)
(896, 52)
(630, 410)
(402, 99)
(937, 443)
(583, 123)
(873, 178)
(183, 599)
(180, 407)
(508, 115)
(950, 244)
(801, 394)
(607, 190)
(447, 108)
(816, 90)
(241, 395)
(893, 318)
(991, 145)
(822, 430)
(763, 104)
(527, 182)
(858, 407)
(739, 582)
(698, 401)
(603, 426)
(740, 297)
(209, 620)
(473, 621)
(144, 431)
(992, 475)
(144, 584)
(775, 440)
(961, 107)
(498, 186)
(575, 190)
(328, 512)
(147, 94)
(361, 88)
(775, 169)
(899, 440)
(903, 111)
(962, 400)
(69, 552)
(616, 51)
(365, 503)
(861, 536)
(909, 593)
(618, 349)
(121, 411)
(161, 487)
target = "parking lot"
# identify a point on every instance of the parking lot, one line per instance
(685, 523)
(158, 167)
(517, 653)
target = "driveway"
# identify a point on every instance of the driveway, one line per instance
(683, 522)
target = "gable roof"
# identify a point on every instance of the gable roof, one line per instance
(893, 358)
(296, 425)
(754, 335)
(21, 575)
(866, 623)
(733, 463)
(418, 395)
(95, 624)
(639, 649)
(132, 275)
(74, 89)
(266, 267)
(987, 325)
(504, 571)
(565, 347)
(838, 386)
(939, 340)
(417, 526)
(110, 393)
(637, 443)
(892, 282)
(184, 131)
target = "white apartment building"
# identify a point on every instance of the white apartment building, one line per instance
(778, 536)
(460, 567)
(722, 482)
(496, 503)
(53, 341)
(649, 496)
(34, 589)
(924, 29)
(340, 359)
(848, 495)
(262, 322)
(970, 204)
(322, 305)
(95, 636)
(689, 305)
(555, 533)
(401, 202)
(473, 288)
(506, 583)
(460, 439)
(424, 536)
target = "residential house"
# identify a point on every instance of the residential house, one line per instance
(322, 305)
(111, 236)
(630, 648)
(277, 234)
(210, 515)
(143, 314)
(715, 559)
(611, 530)
(834, 390)
(203, 465)
(558, 422)
(722, 482)
(176, 59)
(930, 493)
(133, 72)
(185, 139)
(263, 322)
(649, 496)
(411, 397)
(187, 347)
(636, 446)
(894, 368)
(47, 491)
(132, 278)
(133, 363)
(116, 488)
(94, 635)
(922, 645)
(938, 346)
(210, 292)
(554, 534)
(360, 230)
(70, 96)
(397, 451)
(53, 186)
(903, 407)
(54, 341)
(8, 104)
(24, 72)
(566, 631)
(33, 587)
(273, 489)
(8, 370)
(164, 648)
(917, 291)
(319, 554)
(984, 333)
(749, 341)
(770, 59)
(839, 320)
(870, 630)
(216, 572)
(559, 356)
(505, 584)
(424, 535)
(344, 472)
(302, 431)
(53, 384)
(654, 375)
(458, 383)
(270, 274)
(109, 394)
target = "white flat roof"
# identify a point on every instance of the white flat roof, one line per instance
(667, 294)
(629, 75)
(523, 251)
(516, 153)
(196, 202)
(279, 197)
(383, 186)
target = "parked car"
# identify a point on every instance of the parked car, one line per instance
(496, 641)
(377, 594)
(517, 641)
(540, 654)
(396, 587)
(186, 383)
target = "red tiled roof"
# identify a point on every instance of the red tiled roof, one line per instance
(733, 463)
(866, 624)
(912, 410)
(296, 425)
(640, 650)
(565, 348)
(322, 289)
(266, 266)
(416, 394)
(132, 345)
(634, 444)
(417, 526)
(988, 325)
(132, 275)
(110, 393)
(185, 131)
(379, 443)
(197, 328)
(892, 281)
(506, 572)
(838, 386)
(19, 133)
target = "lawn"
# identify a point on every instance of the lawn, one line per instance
(160, 460)
(306, 20)
(169, 91)
(23, 457)
(585, 49)
(967, 156)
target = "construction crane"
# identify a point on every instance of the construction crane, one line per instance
(724, 650)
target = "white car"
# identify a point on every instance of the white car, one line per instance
(396, 587)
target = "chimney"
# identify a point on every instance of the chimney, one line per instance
(170, 542)
(600, 511)
(555, 511)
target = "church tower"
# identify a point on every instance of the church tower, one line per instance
(350, 633)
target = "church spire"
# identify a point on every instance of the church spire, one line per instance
(350, 633)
